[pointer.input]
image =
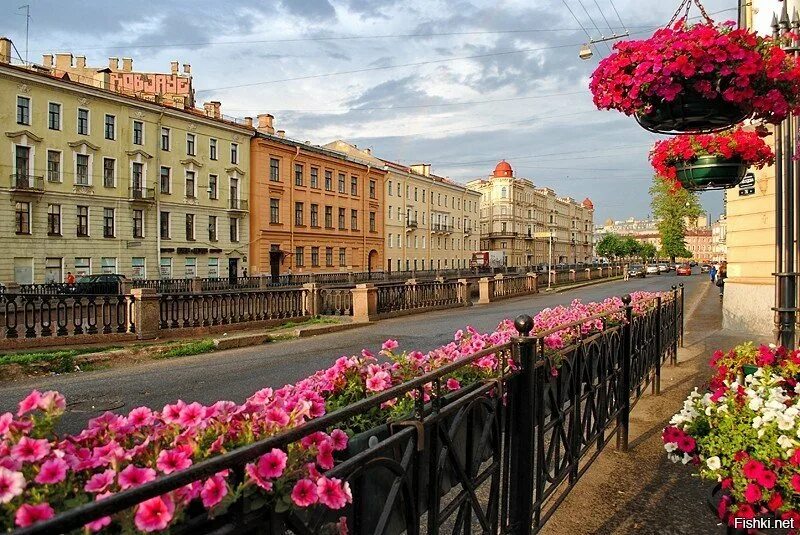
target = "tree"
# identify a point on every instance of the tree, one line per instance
(671, 208)
(629, 247)
(609, 246)
(647, 251)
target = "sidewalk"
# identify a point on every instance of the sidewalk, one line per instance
(641, 491)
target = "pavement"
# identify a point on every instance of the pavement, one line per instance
(640, 491)
(237, 373)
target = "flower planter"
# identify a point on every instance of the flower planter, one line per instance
(714, 497)
(749, 369)
(710, 172)
(691, 113)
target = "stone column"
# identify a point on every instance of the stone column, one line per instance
(365, 303)
(572, 275)
(146, 313)
(465, 292)
(195, 286)
(485, 291)
(588, 273)
(263, 281)
(313, 298)
(533, 282)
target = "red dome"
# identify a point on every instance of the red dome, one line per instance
(587, 203)
(503, 169)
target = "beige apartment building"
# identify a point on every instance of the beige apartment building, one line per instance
(525, 222)
(430, 222)
(98, 181)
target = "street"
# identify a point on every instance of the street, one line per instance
(237, 373)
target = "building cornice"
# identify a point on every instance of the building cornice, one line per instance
(191, 161)
(85, 142)
(137, 152)
(20, 133)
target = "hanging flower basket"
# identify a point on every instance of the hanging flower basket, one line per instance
(710, 161)
(698, 78)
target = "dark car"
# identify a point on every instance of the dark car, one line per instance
(684, 269)
(104, 283)
(636, 270)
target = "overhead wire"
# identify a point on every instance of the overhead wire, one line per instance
(623, 24)
(596, 27)
(581, 25)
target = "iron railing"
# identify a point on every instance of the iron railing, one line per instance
(336, 302)
(497, 456)
(163, 286)
(511, 286)
(217, 284)
(142, 194)
(26, 182)
(397, 297)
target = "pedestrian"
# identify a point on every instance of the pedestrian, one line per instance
(722, 274)
(70, 278)
(244, 272)
(625, 274)
(712, 272)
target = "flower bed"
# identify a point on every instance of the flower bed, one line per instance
(42, 473)
(743, 433)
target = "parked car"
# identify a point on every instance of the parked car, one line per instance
(636, 270)
(692, 263)
(684, 269)
(105, 283)
(705, 268)
(663, 268)
(652, 269)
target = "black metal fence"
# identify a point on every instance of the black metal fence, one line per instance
(336, 302)
(397, 297)
(498, 456)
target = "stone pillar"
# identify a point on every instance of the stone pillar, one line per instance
(485, 291)
(551, 277)
(533, 282)
(588, 273)
(365, 303)
(572, 275)
(465, 292)
(146, 313)
(263, 281)
(195, 286)
(313, 298)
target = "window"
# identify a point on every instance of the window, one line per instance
(190, 266)
(342, 256)
(108, 265)
(372, 189)
(138, 223)
(138, 270)
(189, 227)
(329, 256)
(190, 185)
(415, 193)
(212, 228)
(314, 215)
(372, 221)
(341, 183)
(329, 217)
(315, 257)
(164, 225)
(274, 210)
(83, 122)
(274, 169)
(108, 172)
(53, 166)
(354, 186)
(54, 116)
(52, 270)
(328, 181)
(83, 266)
(23, 110)
(137, 177)
(165, 180)
(83, 221)
(23, 218)
(298, 257)
(341, 219)
(190, 144)
(213, 187)
(166, 268)
(390, 188)
(234, 224)
(298, 214)
(54, 220)
(390, 211)
(165, 139)
(234, 153)
(82, 169)
(213, 267)
(315, 177)
(138, 133)
(391, 240)
(212, 149)
(353, 219)
(298, 174)
(108, 222)
(110, 127)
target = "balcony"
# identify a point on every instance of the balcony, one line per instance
(237, 205)
(442, 227)
(411, 224)
(25, 183)
(529, 236)
(467, 231)
(503, 234)
(142, 194)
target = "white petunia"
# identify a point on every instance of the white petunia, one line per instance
(686, 458)
(784, 423)
(671, 446)
(757, 422)
(713, 463)
(785, 442)
(755, 404)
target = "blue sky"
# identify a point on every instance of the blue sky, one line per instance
(458, 84)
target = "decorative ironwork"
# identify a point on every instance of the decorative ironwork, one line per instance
(336, 302)
(397, 297)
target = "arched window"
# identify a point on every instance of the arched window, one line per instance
(503, 192)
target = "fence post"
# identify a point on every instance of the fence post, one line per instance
(533, 283)
(682, 312)
(522, 406)
(659, 349)
(195, 286)
(484, 291)
(146, 313)
(263, 281)
(675, 327)
(313, 305)
(365, 303)
(465, 292)
(623, 420)
(572, 275)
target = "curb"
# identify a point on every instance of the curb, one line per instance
(559, 289)
(254, 339)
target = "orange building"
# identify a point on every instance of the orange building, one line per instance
(313, 209)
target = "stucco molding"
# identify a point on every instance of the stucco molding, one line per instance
(19, 133)
(235, 169)
(138, 152)
(191, 161)
(87, 144)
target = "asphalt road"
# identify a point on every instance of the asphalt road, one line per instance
(235, 374)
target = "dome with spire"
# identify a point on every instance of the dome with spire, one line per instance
(587, 203)
(503, 169)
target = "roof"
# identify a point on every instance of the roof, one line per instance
(503, 168)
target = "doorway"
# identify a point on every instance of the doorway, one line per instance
(275, 257)
(233, 270)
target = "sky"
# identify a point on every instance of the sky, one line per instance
(459, 84)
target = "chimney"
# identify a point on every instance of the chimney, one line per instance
(368, 151)
(248, 121)
(187, 69)
(281, 133)
(47, 60)
(212, 109)
(80, 62)
(63, 61)
(5, 50)
(423, 169)
(173, 67)
(113, 64)
(127, 64)
(265, 123)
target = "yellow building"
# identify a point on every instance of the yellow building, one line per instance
(430, 222)
(95, 181)
(525, 222)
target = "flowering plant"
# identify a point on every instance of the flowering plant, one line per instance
(746, 436)
(712, 61)
(745, 146)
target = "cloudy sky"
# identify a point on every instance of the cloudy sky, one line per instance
(460, 84)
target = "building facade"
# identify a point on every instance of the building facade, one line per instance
(430, 222)
(719, 236)
(95, 181)
(318, 210)
(526, 222)
(697, 238)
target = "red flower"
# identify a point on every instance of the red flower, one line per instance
(796, 482)
(752, 469)
(767, 479)
(752, 493)
(686, 444)
(775, 501)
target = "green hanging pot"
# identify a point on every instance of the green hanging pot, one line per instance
(711, 172)
(691, 113)
(749, 369)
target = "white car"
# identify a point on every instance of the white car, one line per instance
(652, 269)
(663, 268)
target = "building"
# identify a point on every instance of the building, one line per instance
(697, 237)
(698, 242)
(523, 221)
(97, 181)
(719, 232)
(430, 222)
(320, 210)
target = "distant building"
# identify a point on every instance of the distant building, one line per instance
(719, 236)
(697, 237)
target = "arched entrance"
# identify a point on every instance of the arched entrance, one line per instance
(372, 260)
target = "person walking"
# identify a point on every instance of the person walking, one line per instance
(625, 274)
(712, 272)
(722, 274)
(70, 278)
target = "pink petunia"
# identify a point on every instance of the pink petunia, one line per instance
(97, 525)
(304, 493)
(339, 439)
(325, 454)
(333, 493)
(31, 450)
(28, 514)
(453, 384)
(271, 465)
(11, 484)
(133, 476)
(214, 490)
(5, 423)
(100, 482)
(752, 493)
(390, 345)
(191, 415)
(277, 415)
(141, 416)
(262, 482)
(52, 401)
(30, 403)
(52, 471)
(154, 514)
(171, 460)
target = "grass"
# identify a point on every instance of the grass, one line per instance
(59, 360)
(312, 321)
(194, 347)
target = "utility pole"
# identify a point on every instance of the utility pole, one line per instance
(27, 9)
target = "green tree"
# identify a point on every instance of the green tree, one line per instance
(647, 251)
(671, 208)
(609, 246)
(629, 247)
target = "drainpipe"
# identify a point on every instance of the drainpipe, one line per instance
(157, 192)
(365, 220)
(290, 183)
